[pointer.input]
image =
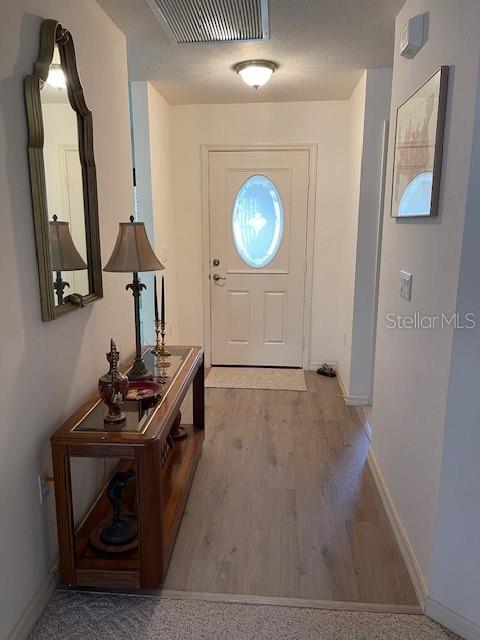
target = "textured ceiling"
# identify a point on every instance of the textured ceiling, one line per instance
(322, 46)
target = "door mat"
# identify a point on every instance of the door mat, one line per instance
(256, 378)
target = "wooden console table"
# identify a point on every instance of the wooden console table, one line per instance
(156, 495)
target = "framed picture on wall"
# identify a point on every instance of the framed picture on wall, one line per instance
(417, 162)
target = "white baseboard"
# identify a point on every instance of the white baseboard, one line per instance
(366, 422)
(406, 549)
(342, 384)
(34, 609)
(357, 401)
(453, 621)
(351, 401)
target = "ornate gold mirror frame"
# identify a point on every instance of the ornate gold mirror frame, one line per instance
(52, 33)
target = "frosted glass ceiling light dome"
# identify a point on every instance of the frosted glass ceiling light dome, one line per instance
(56, 77)
(256, 73)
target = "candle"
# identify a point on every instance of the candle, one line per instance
(156, 300)
(162, 319)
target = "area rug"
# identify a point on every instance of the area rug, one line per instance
(82, 616)
(256, 378)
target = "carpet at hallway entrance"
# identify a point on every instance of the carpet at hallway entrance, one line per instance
(75, 616)
(256, 378)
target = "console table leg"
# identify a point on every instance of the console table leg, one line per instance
(199, 398)
(64, 507)
(150, 510)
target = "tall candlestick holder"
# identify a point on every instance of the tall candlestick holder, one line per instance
(160, 348)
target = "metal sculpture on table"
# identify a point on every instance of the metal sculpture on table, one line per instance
(121, 529)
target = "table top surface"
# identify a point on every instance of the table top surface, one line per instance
(144, 418)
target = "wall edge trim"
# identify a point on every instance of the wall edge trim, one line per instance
(453, 621)
(366, 422)
(350, 399)
(35, 607)
(413, 567)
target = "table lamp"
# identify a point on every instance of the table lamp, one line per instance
(64, 255)
(133, 253)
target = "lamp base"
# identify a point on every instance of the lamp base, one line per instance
(139, 371)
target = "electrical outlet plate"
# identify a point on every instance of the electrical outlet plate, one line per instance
(43, 486)
(406, 285)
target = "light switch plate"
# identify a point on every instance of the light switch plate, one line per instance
(406, 285)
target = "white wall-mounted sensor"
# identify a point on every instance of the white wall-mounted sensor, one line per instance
(411, 38)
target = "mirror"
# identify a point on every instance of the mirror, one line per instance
(63, 178)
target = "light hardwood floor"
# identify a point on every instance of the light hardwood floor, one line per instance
(284, 505)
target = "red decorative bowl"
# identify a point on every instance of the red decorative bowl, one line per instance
(143, 390)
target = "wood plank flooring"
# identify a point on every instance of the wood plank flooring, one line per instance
(283, 504)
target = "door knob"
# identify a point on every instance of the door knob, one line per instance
(216, 277)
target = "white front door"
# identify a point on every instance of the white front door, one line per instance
(258, 227)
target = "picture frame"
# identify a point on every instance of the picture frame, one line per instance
(417, 161)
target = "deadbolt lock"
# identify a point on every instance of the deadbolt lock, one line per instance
(216, 262)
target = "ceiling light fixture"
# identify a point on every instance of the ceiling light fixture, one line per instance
(255, 73)
(56, 77)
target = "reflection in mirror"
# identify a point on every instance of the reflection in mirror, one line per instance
(64, 187)
(63, 255)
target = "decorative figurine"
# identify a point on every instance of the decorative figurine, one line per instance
(113, 387)
(120, 530)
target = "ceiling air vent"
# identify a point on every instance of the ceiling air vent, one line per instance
(193, 21)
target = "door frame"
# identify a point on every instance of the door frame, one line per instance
(312, 150)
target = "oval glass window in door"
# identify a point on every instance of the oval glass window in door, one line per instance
(258, 221)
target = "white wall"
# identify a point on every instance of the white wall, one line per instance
(412, 366)
(369, 108)
(378, 83)
(152, 136)
(347, 242)
(48, 369)
(325, 123)
(455, 582)
(140, 128)
(164, 221)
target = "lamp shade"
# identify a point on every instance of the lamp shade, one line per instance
(64, 255)
(133, 251)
